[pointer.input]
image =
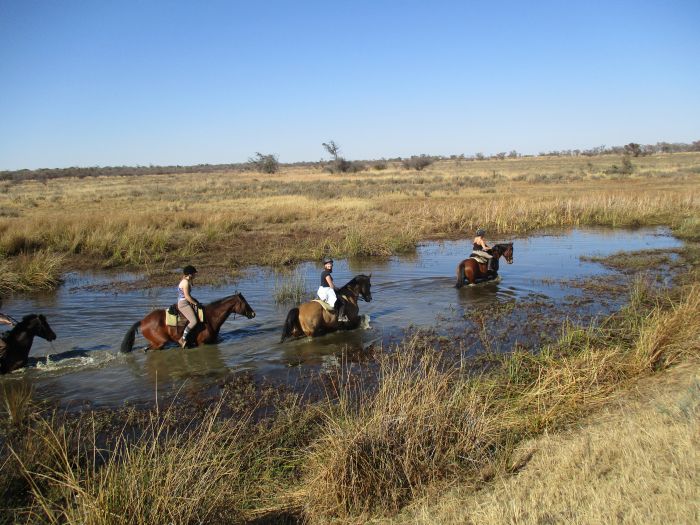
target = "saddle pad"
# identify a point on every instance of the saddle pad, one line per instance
(478, 258)
(327, 307)
(181, 320)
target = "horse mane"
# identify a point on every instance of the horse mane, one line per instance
(26, 320)
(21, 325)
(223, 299)
(355, 280)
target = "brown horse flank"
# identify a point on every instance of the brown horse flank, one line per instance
(154, 329)
(15, 344)
(312, 319)
(473, 271)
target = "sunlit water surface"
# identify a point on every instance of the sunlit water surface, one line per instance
(84, 363)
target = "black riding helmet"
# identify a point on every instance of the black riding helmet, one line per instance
(189, 270)
(327, 260)
(480, 232)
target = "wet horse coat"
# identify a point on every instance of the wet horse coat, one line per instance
(472, 271)
(312, 319)
(16, 344)
(154, 328)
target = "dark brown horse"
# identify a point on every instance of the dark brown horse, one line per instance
(474, 272)
(154, 329)
(15, 344)
(312, 319)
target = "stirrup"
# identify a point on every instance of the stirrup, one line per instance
(182, 342)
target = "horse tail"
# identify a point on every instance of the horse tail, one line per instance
(460, 275)
(290, 324)
(128, 342)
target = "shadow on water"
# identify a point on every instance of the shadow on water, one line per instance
(91, 315)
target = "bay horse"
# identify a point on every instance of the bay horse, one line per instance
(15, 344)
(154, 329)
(312, 319)
(473, 271)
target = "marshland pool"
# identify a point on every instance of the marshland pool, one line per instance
(90, 316)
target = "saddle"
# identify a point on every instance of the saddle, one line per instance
(478, 258)
(173, 317)
(327, 307)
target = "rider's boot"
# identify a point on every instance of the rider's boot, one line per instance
(340, 307)
(183, 340)
(490, 271)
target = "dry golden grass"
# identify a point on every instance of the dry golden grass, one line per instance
(228, 220)
(635, 463)
(427, 425)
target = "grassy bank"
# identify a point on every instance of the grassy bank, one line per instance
(415, 421)
(225, 221)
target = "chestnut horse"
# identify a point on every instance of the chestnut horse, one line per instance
(154, 329)
(312, 319)
(473, 271)
(15, 344)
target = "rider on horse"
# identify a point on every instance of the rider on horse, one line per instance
(326, 292)
(481, 247)
(186, 303)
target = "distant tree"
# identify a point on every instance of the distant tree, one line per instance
(695, 146)
(513, 154)
(633, 149)
(665, 147)
(332, 148)
(264, 163)
(501, 155)
(479, 156)
(417, 162)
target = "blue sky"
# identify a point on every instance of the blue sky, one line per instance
(86, 83)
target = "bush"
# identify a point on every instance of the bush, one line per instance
(417, 162)
(264, 163)
(342, 165)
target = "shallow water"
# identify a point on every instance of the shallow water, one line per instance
(84, 363)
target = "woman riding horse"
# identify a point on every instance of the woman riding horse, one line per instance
(15, 344)
(154, 329)
(313, 319)
(474, 271)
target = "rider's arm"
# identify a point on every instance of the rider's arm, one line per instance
(5, 320)
(329, 280)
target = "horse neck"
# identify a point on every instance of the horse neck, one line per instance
(20, 338)
(216, 315)
(349, 290)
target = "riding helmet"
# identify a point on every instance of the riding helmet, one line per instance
(327, 260)
(189, 270)
(480, 232)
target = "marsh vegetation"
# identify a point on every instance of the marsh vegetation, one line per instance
(229, 220)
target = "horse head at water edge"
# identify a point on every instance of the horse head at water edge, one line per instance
(472, 271)
(154, 329)
(312, 319)
(15, 344)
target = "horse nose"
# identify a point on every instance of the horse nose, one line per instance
(252, 314)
